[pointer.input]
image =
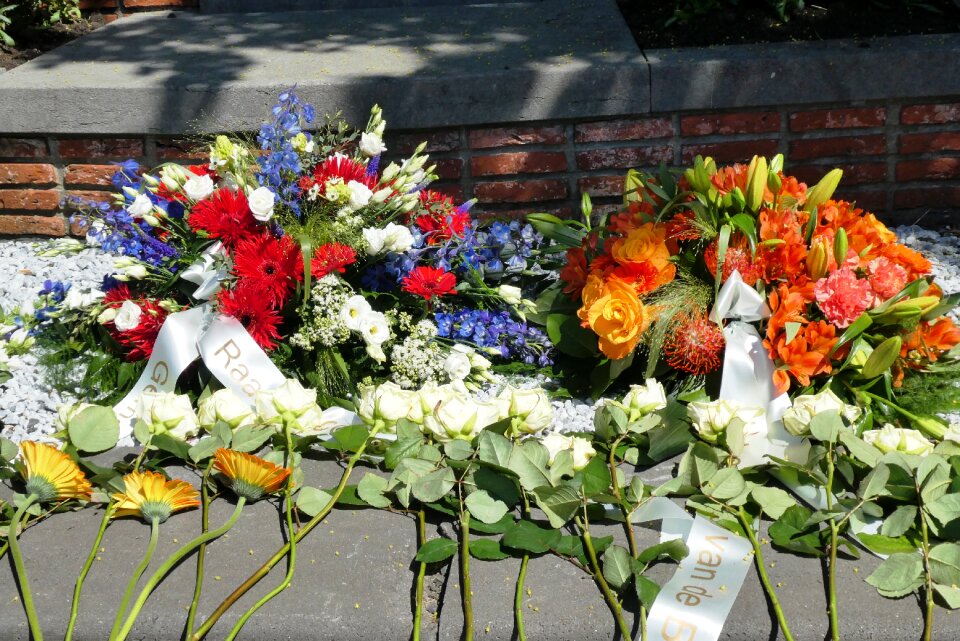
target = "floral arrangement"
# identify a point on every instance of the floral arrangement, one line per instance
(780, 345)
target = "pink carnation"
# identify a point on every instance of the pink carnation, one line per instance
(843, 297)
(886, 278)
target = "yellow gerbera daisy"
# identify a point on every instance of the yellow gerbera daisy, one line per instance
(151, 496)
(51, 474)
(251, 476)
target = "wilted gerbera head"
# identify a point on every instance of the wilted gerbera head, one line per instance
(51, 475)
(250, 476)
(150, 496)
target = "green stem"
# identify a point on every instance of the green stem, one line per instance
(928, 582)
(141, 455)
(202, 552)
(421, 573)
(627, 525)
(135, 578)
(75, 606)
(4, 548)
(608, 594)
(521, 580)
(25, 593)
(832, 558)
(465, 574)
(264, 569)
(762, 571)
(171, 561)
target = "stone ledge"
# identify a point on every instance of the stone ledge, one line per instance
(354, 581)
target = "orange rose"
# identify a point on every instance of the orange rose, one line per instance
(647, 242)
(614, 312)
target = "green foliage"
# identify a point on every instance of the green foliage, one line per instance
(931, 391)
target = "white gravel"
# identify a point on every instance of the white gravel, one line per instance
(28, 406)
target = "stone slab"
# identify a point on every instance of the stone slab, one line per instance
(178, 72)
(355, 581)
(247, 6)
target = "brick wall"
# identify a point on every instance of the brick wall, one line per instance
(899, 160)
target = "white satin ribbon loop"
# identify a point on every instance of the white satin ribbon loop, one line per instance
(202, 272)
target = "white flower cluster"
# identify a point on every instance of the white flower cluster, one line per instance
(417, 360)
(229, 160)
(373, 327)
(391, 238)
(325, 327)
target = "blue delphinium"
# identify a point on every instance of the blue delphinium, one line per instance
(50, 297)
(116, 231)
(497, 332)
(280, 165)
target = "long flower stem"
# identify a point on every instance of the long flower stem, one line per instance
(421, 573)
(465, 574)
(608, 594)
(627, 525)
(762, 571)
(135, 578)
(832, 558)
(171, 561)
(202, 552)
(25, 592)
(521, 580)
(264, 569)
(75, 605)
(928, 582)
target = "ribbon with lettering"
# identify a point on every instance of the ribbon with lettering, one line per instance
(695, 602)
(748, 376)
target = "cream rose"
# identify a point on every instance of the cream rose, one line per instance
(167, 413)
(261, 201)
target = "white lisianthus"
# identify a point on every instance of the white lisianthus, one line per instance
(457, 366)
(224, 405)
(530, 410)
(261, 201)
(894, 439)
(712, 418)
(66, 413)
(76, 299)
(582, 453)
(376, 240)
(198, 187)
(797, 419)
(387, 403)
(141, 206)
(353, 311)
(167, 413)
(371, 144)
(460, 417)
(510, 294)
(107, 315)
(130, 270)
(397, 238)
(128, 316)
(643, 399)
(360, 195)
(374, 328)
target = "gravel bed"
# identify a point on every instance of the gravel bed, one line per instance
(28, 405)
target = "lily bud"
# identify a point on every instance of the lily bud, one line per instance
(840, 245)
(882, 357)
(756, 182)
(817, 260)
(823, 190)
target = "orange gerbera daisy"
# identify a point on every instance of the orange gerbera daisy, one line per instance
(51, 474)
(250, 476)
(151, 496)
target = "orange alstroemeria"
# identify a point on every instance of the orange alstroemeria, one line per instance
(929, 341)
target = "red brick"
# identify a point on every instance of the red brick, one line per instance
(448, 168)
(13, 225)
(117, 148)
(727, 124)
(521, 213)
(84, 175)
(927, 114)
(842, 146)
(29, 199)
(869, 200)
(27, 174)
(512, 136)
(520, 191)
(935, 142)
(159, 3)
(853, 174)
(436, 141)
(838, 118)
(92, 196)
(623, 157)
(932, 169)
(181, 151)
(936, 197)
(601, 185)
(107, 19)
(528, 162)
(23, 148)
(635, 129)
(454, 190)
(732, 151)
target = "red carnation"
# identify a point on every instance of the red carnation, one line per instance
(137, 343)
(429, 282)
(252, 308)
(225, 216)
(270, 265)
(332, 257)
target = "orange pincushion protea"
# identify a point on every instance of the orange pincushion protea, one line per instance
(251, 476)
(52, 475)
(151, 496)
(696, 344)
(738, 257)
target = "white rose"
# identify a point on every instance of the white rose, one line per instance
(797, 419)
(359, 195)
(460, 417)
(511, 295)
(167, 413)
(582, 453)
(712, 418)
(376, 240)
(894, 439)
(77, 299)
(387, 402)
(315, 422)
(141, 206)
(285, 404)
(353, 311)
(198, 187)
(530, 410)
(371, 144)
(397, 238)
(224, 405)
(643, 399)
(431, 396)
(457, 366)
(261, 201)
(555, 442)
(107, 315)
(128, 316)
(66, 413)
(374, 329)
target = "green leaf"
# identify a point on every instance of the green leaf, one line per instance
(792, 330)
(726, 484)
(676, 550)
(944, 509)
(881, 544)
(875, 483)
(530, 537)
(371, 489)
(251, 439)
(311, 501)
(901, 520)
(945, 563)
(596, 477)
(898, 575)
(570, 337)
(949, 595)
(790, 532)
(856, 328)
(484, 507)
(528, 461)
(95, 429)
(351, 437)
(457, 450)
(409, 439)
(860, 449)
(434, 486)
(672, 438)
(826, 425)
(703, 462)
(617, 568)
(933, 473)
(499, 486)
(558, 503)
(171, 445)
(647, 590)
(437, 550)
(494, 448)
(772, 500)
(204, 448)
(141, 431)
(487, 550)
(223, 432)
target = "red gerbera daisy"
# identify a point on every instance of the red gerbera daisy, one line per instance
(252, 308)
(695, 344)
(440, 218)
(429, 282)
(137, 343)
(225, 216)
(342, 167)
(332, 257)
(270, 265)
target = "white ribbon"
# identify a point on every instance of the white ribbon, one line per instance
(748, 376)
(695, 602)
(202, 273)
